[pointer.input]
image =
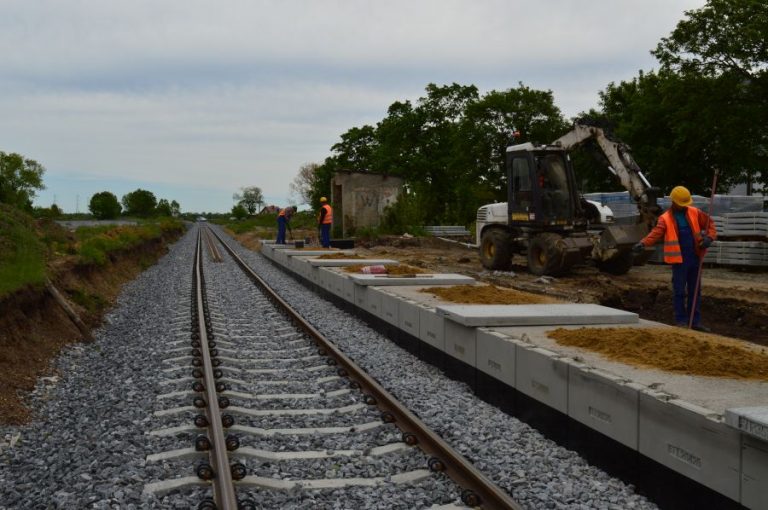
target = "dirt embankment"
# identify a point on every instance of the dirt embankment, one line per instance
(34, 328)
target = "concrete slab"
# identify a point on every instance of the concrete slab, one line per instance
(408, 316)
(461, 343)
(352, 262)
(543, 376)
(389, 307)
(750, 420)
(604, 402)
(754, 474)
(347, 289)
(422, 279)
(690, 440)
(432, 328)
(496, 355)
(551, 314)
(373, 302)
(714, 393)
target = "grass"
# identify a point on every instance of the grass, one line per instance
(94, 244)
(22, 254)
(300, 220)
(26, 245)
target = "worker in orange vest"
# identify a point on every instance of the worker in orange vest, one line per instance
(687, 233)
(283, 217)
(324, 221)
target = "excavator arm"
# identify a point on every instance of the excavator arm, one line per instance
(621, 164)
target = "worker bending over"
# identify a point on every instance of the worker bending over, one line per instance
(687, 233)
(283, 218)
(324, 221)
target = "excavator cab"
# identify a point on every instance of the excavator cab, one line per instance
(541, 188)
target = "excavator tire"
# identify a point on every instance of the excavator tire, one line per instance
(619, 265)
(544, 256)
(495, 252)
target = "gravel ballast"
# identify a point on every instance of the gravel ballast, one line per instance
(536, 471)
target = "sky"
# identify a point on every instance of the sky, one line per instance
(195, 99)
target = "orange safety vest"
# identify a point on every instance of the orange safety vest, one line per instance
(667, 226)
(328, 218)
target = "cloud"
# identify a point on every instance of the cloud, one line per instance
(243, 92)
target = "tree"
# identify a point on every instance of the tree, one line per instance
(163, 208)
(724, 44)
(20, 178)
(175, 208)
(239, 212)
(139, 203)
(723, 36)
(250, 197)
(304, 182)
(104, 206)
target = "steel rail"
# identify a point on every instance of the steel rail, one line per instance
(213, 250)
(451, 462)
(223, 487)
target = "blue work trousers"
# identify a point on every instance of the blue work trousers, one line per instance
(281, 224)
(684, 278)
(325, 235)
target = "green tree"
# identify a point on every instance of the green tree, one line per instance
(251, 198)
(139, 203)
(163, 208)
(104, 206)
(175, 208)
(20, 178)
(239, 212)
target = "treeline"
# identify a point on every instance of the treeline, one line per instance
(705, 108)
(21, 178)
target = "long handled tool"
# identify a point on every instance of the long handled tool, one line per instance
(701, 260)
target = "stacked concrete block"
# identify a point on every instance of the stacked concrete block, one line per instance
(690, 440)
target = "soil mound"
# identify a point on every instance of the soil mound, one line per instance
(332, 256)
(400, 269)
(487, 295)
(671, 349)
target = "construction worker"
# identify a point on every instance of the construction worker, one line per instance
(324, 221)
(283, 217)
(687, 233)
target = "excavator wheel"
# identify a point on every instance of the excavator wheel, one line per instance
(495, 252)
(621, 264)
(544, 256)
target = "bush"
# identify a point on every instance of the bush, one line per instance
(22, 255)
(403, 216)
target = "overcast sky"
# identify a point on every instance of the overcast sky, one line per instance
(193, 99)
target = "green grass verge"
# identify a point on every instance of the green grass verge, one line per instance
(22, 254)
(94, 244)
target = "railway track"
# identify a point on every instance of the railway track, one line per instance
(279, 413)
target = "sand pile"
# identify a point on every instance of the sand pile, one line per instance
(486, 295)
(401, 269)
(671, 349)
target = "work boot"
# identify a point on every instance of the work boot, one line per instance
(702, 328)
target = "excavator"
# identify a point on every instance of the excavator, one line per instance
(547, 220)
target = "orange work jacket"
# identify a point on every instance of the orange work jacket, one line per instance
(328, 218)
(666, 228)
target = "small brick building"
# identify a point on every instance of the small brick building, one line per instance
(359, 198)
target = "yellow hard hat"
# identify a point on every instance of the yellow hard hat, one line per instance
(681, 196)
(323, 199)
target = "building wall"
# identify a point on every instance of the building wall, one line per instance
(359, 199)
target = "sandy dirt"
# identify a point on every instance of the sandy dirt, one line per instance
(400, 270)
(487, 295)
(671, 349)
